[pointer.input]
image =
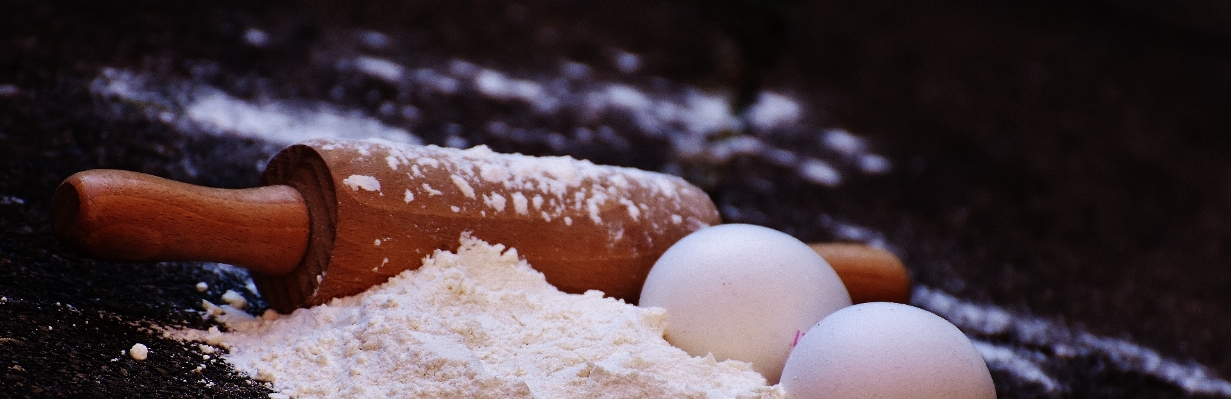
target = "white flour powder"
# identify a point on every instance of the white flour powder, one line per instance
(478, 323)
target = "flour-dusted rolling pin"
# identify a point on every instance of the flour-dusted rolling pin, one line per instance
(334, 218)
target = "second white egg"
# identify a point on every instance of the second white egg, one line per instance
(742, 292)
(886, 350)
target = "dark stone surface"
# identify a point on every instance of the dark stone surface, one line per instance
(1065, 160)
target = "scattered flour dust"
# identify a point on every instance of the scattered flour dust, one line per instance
(478, 323)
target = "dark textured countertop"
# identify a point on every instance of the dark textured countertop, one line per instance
(1056, 176)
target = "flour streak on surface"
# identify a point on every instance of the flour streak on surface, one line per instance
(1032, 335)
(201, 108)
(700, 126)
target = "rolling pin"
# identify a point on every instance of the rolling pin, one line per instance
(333, 218)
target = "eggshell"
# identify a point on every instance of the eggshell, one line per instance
(886, 350)
(742, 292)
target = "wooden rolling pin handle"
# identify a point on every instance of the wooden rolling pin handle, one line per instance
(870, 274)
(128, 216)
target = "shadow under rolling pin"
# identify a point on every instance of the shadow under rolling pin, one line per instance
(333, 218)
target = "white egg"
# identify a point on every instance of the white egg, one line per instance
(742, 292)
(886, 350)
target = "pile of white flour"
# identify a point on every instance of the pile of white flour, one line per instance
(478, 323)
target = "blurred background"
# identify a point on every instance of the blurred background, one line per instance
(1056, 175)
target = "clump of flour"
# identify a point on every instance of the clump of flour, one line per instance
(478, 323)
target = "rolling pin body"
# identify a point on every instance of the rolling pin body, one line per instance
(379, 208)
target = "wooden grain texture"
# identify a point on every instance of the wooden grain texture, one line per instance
(870, 274)
(129, 216)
